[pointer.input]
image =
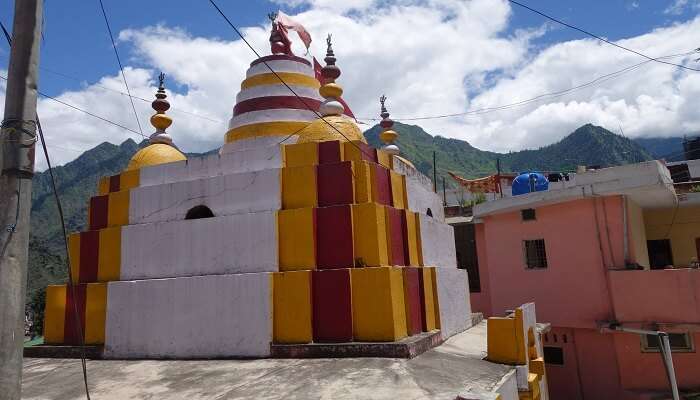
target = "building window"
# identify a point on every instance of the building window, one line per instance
(528, 214)
(660, 255)
(680, 342)
(535, 253)
(199, 212)
(553, 355)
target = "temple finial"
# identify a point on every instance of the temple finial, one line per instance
(388, 135)
(330, 90)
(159, 120)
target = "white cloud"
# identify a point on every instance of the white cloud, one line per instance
(430, 57)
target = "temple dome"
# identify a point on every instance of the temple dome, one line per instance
(154, 154)
(321, 131)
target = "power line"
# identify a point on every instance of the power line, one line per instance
(71, 284)
(555, 94)
(119, 61)
(599, 37)
(285, 83)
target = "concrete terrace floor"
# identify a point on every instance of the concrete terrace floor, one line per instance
(440, 373)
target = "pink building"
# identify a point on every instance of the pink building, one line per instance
(614, 245)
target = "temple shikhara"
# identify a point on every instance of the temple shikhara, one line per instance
(296, 233)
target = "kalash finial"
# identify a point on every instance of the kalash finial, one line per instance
(388, 135)
(159, 120)
(330, 90)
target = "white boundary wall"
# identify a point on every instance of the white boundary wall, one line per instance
(197, 317)
(237, 243)
(437, 243)
(453, 299)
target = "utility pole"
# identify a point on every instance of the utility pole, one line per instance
(17, 140)
(434, 173)
(498, 176)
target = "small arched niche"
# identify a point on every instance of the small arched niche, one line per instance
(198, 212)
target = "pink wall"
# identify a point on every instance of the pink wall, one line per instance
(646, 371)
(657, 295)
(572, 291)
(481, 302)
(563, 380)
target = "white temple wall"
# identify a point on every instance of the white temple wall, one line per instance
(237, 243)
(419, 191)
(437, 243)
(194, 317)
(453, 298)
(227, 194)
(254, 159)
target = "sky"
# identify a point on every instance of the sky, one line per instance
(430, 57)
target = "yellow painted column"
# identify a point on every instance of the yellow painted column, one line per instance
(378, 310)
(436, 298)
(299, 187)
(129, 179)
(384, 159)
(55, 314)
(292, 307)
(74, 256)
(95, 313)
(109, 261)
(118, 209)
(300, 154)
(369, 234)
(103, 186)
(398, 190)
(363, 182)
(428, 299)
(297, 239)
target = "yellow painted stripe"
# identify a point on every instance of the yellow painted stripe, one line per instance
(129, 179)
(301, 154)
(378, 309)
(110, 254)
(369, 234)
(296, 239)
(412, 238)
(54, 314)
(289, 78)
(363, 181)
(436, 298)
(299, 187)
(74, 255)
(95, 313)
(103, 185)
(262, 129)
(292, 307)
(428, 299)
(398, 189)
(118, 210)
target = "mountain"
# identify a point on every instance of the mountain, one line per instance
(77, 180)
(670, 149)
(587, 145)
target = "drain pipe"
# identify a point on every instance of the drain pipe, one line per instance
(665, 350)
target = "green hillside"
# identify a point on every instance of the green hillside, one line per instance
(77, 180)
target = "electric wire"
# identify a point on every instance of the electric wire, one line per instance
(59, 206)
(560, 22)
(119, 61)
(318, 115)
(555, 94)
(71, 284)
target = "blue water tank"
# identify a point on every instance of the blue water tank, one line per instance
(528, 182)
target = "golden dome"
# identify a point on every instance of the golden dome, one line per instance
(154, 154)
(320, 131)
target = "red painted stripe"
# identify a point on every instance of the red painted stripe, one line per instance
(275, 102)
(396, 237)
(71, 332)
(98, 211)
(335, 184)
(412, 299)
(114, 183)
(368, 152)
(329, 152)
(334, 237)
(89, 256)
(332, 306)
(383, 185)
(404, 236)
(280, 57)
